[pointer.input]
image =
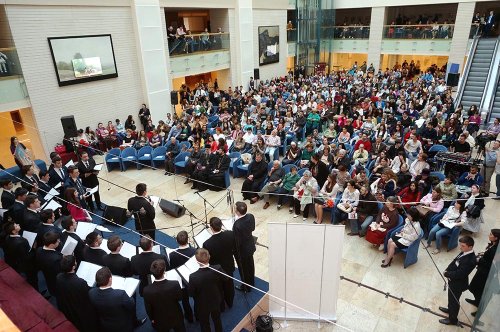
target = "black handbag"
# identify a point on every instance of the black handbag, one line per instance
(473, 211)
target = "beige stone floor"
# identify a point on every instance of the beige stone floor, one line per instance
(359, 309)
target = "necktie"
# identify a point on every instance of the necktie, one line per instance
(86, 164)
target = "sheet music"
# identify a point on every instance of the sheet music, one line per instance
(447, 223)
(103, 229)
(184, 272)
(98, 167)
(172, 275)
(228, 223)
(156, 249)
(128, 250)
(30, 236)
(51, 194)
(87, 272)
(191, 266)
(58, 185)
(92, 190)
(84, 228)
(129, 285)
(104, 246)
(202, 236)
(2, 211)
(69, 246)
(69, 163)
(155, 200)
(52, 204)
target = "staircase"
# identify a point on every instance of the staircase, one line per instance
(495, 109)
(478, 73)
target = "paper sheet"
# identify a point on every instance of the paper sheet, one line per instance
(98, 167)
(58, 185)
(128, 250)
(156, 249)
(104, 246)
(30, 236)
(103, 229)
(69, 163)
(52, 204)
(129, 285)
(228, 224)
(155, 200)
(51, 194)
(201, 237)
(84, 228)
(91, 191)
(172, 275)
(69, 246)
(87, 272)
(2, 211)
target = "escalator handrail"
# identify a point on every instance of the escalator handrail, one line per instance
(494, 70)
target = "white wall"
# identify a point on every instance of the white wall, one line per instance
(266, 17)
(90, 102)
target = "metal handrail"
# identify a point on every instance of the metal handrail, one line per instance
(468, 63)
(494, 70)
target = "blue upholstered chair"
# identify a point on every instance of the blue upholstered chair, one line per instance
(128, 156)
(144, 156)
(112, 159)
(412, 251)
(158, 156)
(180, 161)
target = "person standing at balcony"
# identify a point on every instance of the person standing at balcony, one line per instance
(489, 24)
(205, 41)
(3, 63)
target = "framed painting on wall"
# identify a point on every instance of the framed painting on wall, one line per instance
(269, 44)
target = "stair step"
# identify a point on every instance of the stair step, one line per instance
(469, 88)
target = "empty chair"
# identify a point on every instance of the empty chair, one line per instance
(184, 145)
(112, 159)
(144, 156)
(288, 168)
(233, 156)
(180, 162)
(158, 156)
(128, 156)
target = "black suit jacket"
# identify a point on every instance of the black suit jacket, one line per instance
(115, 309)
(91, 180)
(30, 221)
(221, 247)
(26, 182)
(49, 261)
(206, 287)
(16, 212)
(242, 229)
(177, 260)
(94, 255)
(118, 265)
(459, 269)
(43, 189)
(141, 266)
(78, 252)
(74, 302)
(161, 300)
(42, 229)
(55, 178)
(8, 199)
(142, 221)
(17, 253)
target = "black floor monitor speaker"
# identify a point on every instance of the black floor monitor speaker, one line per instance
(116, 214)
(174, 97)
(171, 208)
(69, 126)
(256, 74)
(452, 79)
(264, 323)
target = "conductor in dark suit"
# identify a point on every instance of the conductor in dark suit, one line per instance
(48, 260)
(93, 253)
(177, 258)
(221, 247)
(243, 227)
(89, 178)
(115, 309)
(141, 264)
(118, 264)
(161, 300)
(73, 297)
(205, 286)
(69, 225)
(8, 197)
(458, 278)
(144, 212)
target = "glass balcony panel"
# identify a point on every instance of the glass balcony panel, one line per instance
(419, 31)
(348, 31)
(9, 62)
(198, 43)
(291, 35)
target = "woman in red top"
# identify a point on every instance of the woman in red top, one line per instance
(74, 207)
(409, 194)
(387, 219)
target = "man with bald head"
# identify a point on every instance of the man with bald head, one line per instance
(275, 176)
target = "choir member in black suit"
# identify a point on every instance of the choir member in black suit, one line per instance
(177, 258)
(457, 274)
(73, 297)
(484, 261)
(43, 185)
(92, 253)
(18, 255)
(115, 309)
(58, 173)
(31, 217)
(161, 300)
(29, 178)
(47, 218)
(73, 180)
(48, 260)
(89, 178)
(118, 264)
(221, 248)
(243, 227)
(69, 225)
(143, 210)
(16, 211)
(8, 197)
(205, 287)
(141, 263)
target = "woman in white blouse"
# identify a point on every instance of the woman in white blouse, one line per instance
(396, 163)
(454, 217)
(473, 223)
(350, 199)
(419, 165)
(406, 236)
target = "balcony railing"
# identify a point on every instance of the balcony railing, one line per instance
(198, 43)
(9, 62)
(419, 31)
(350, 31)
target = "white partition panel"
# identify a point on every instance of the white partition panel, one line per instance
(304, 270)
